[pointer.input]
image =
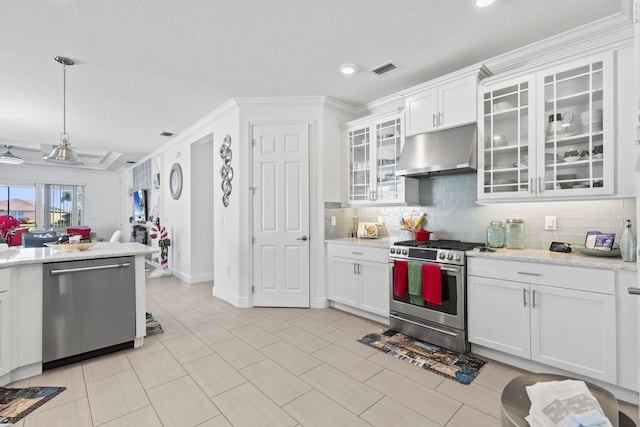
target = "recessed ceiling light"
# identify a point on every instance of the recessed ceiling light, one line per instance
(166, 134)
(348, 69)
(482, 3)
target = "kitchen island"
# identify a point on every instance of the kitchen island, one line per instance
(22, 295)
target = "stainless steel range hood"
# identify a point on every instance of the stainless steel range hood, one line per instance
(448, 151)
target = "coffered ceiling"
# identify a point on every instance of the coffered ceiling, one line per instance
(149, 66)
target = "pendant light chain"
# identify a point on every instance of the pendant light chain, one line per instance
(63, 153)
(64, 98)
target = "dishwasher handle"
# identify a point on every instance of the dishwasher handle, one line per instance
(96, 267)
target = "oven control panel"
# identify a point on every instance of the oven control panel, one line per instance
(443, 256)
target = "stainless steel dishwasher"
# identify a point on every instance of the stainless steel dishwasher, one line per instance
(88, 309)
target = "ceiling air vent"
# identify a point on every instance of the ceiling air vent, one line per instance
(385, 68)
(166, 134)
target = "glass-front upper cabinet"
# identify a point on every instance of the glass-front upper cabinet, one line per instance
(374, 146)
(549, 134)
(506, 132)
(577, 147)
(360, 164)
(389, 187)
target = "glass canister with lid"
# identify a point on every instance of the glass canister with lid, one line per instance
(514, 234)
(495, 234)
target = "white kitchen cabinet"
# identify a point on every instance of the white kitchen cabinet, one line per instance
(564, 317)
(374, 144)
(5, 330)
(442, 103)
(343, 278)
(374, 285)
(574, 330)
(27, 320)
(5, 325)
(548, 134)
(359, 277)
(498, 317)
(449, 105)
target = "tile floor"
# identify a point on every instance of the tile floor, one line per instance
(217, 365)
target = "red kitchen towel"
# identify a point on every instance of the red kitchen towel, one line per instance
(400, 281)
(431, 284)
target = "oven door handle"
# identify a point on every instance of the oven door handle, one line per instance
(423, 326)
(447, 269)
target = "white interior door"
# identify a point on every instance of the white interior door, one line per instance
(281, 215)
(636, 24)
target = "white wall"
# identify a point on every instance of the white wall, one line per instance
(177, 212)
(227, 224)
(102, 202)
(202, 211)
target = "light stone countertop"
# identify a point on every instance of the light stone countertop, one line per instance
(19, 255)
(547, 257)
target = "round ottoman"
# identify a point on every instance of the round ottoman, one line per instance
(515, 401)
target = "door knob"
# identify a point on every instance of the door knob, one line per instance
(303, 238)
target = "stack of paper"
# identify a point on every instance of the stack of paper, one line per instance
(566, 403)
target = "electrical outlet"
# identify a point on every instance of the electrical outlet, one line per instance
(550, 223)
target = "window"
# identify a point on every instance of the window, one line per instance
(20, 203)
(44, 205)
(60, 205)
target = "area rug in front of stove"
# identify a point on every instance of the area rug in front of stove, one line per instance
(17, 403)
(463, 368)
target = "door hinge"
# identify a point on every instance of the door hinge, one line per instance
(252, 289)
(253, 240)
(252, 142)
(252, 190)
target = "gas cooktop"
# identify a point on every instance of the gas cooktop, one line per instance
(453, 245)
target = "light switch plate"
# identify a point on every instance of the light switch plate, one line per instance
(550, 223)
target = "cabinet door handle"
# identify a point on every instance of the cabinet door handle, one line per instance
(533, 189)
(358, 268)
(356, 253)
(355, 271)
(92, 268)
(533, 299)
(633, 291)
(528, 274)
(540, 187)
(440, 119)
(434, 120)
(524, 297)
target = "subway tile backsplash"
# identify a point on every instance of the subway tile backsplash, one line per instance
(452, 213)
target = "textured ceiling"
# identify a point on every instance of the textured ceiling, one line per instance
(148, 66)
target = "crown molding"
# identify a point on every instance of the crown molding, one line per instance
(606, 34)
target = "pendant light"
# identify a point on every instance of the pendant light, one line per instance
(9, 157)
(63, 154)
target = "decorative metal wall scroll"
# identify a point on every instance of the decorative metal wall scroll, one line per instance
(226, 172)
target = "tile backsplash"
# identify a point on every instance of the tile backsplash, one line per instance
(452, 213)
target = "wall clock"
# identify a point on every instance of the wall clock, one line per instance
(175, 181)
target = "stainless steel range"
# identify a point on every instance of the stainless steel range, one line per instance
(443, 323)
